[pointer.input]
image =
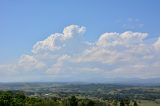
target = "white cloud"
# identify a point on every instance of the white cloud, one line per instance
(58, 66)
(157, 44)
(113, 38)
(25, 67)
(67, 56)
(109, 39)
(133, 36)
(56, 41)
(47, 44)
(29, 62)
(73, 30)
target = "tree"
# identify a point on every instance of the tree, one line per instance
(90, 103)
(73, 101)
(122, 103)
(135, 103)
(127, 102)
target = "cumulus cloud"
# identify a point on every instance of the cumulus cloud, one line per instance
(23, 68)
(55, 41)
(73, 30)
(47, 44)
(66, 56)
(29, 62)
(157, 44)
(113, 38)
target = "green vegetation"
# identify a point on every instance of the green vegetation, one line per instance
(8, 98)
(48, 94)
(17, 98)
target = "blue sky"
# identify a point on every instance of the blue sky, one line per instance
(24, 23)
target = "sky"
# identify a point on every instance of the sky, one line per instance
(79, 40)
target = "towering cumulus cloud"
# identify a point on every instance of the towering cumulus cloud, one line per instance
(55, 41)
(67, 57)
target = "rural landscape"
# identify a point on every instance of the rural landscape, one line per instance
(78, 94)
(79, 52)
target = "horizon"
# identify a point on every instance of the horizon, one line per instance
(80, 41)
